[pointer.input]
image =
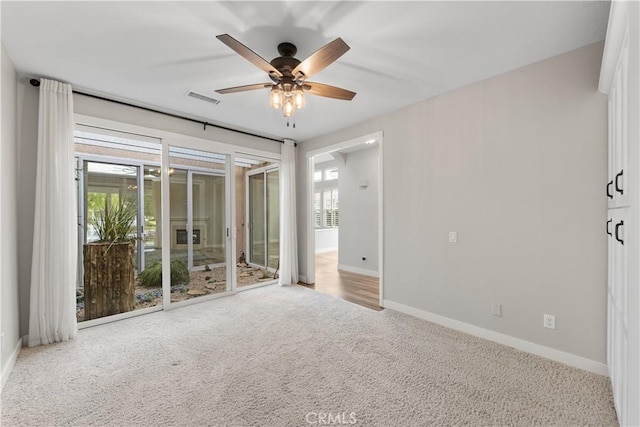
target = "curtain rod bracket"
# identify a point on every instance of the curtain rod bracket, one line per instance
(205, 126)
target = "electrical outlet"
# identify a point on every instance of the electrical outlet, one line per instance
(549, 321)
(496, 310)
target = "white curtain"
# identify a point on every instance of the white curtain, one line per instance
(52, 315)
(288, 233)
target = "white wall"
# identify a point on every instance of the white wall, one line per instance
(9, 298)
(359, 212)
(327, 239)
(516, 165)
(105, 110)
(120, 113)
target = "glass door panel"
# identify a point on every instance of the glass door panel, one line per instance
(115, 192)
(179, 225)
(209, 220)
(257, 229)
(257, 220)
(198, 223)
(110, 262)
(273, 218)
(152, 231)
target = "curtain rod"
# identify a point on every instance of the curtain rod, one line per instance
(36, 83)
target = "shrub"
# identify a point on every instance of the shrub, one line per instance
(151, 277)
(115, 223)
(179, 273)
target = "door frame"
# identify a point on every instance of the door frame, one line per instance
(311, 238)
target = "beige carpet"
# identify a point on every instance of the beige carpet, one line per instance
(286, 356)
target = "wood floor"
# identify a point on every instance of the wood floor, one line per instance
(356, 288)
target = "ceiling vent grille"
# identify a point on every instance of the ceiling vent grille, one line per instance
(202, 97)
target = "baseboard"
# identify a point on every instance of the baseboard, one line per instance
(350, 269)
(520, 344)
(6, 370)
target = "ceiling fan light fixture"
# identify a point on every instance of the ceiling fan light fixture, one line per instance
(289, 75)
(298, 97)
(288, 107)
(286, 89)
(276, 97)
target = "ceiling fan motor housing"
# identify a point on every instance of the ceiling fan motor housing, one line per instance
(285, 64)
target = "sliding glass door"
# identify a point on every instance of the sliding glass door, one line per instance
(264, 218)
(198, 223)
(151, 217)
(206, 245)
(257, 220)
(119, 203)
(208, 214)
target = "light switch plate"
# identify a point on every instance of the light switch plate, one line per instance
(496, 310)
(453, 236)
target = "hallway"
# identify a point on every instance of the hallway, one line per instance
(356, 288)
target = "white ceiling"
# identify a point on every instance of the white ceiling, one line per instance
(153, 53)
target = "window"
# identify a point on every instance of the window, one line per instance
(325, 202)
(326, 208)
(317, 206)
(331, 173)
(331, 208)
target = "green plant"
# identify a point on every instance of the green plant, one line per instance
(179, 273)
(115, 223)
(151, 277)
(147, 297)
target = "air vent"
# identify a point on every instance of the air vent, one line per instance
(202, 97)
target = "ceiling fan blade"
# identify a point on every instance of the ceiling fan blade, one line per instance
(321, 58)
(248, 54)
(328, 91)
(244, 88)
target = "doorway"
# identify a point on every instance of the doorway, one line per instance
(345, 233)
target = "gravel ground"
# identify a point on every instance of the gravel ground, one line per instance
(201, 283)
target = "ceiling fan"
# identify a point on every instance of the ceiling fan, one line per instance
(289, 75)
